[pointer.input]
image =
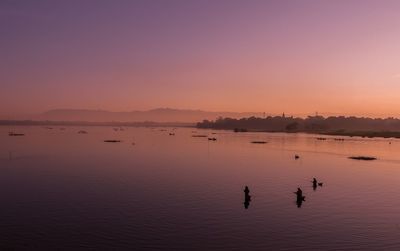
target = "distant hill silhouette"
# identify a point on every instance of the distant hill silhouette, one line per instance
(336, 125)
(155, 115)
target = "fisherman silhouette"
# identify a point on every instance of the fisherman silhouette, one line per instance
(299, 192)
(314, 184)
(300, 198)
(247, 197)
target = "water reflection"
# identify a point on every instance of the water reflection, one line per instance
(79, 191)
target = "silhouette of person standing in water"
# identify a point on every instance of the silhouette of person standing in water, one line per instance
(247, 197)
(300, 198)
(299, 192)
(314, 184)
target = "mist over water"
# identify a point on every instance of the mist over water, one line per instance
(178, 192)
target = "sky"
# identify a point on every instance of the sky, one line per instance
(298, 57)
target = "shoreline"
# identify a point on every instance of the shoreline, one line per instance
(362, 134)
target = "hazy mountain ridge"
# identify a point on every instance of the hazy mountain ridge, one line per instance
(155, 115)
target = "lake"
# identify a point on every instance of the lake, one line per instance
(155, 191)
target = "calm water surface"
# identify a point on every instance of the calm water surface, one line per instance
(64, 190)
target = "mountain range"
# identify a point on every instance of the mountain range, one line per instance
(154, 115)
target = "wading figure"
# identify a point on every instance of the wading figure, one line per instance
(314, 184)
(300, 198)
(247, 197)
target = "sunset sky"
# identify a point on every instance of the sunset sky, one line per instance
(298, 57)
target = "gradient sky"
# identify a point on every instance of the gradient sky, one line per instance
(334, 57)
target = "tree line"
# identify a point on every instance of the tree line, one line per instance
(309, 124)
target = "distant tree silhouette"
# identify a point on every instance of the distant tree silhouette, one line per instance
(338, 124)
(292, 126)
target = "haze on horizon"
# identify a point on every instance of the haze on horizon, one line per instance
(298, 57)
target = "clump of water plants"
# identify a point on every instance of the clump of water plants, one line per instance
(362, 157)
(259, 142)
(240, 130)
(15, 134)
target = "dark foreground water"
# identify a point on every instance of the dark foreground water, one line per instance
(64, 190)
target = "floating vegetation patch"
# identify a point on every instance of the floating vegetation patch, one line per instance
(362, 157)
(15, 134)
(112, 141)
(259, 142)
(240, 130)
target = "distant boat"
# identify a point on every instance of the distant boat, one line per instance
(171, 134)
(212, 139)
(112, 141)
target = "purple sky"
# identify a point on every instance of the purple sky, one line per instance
(335, 57)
